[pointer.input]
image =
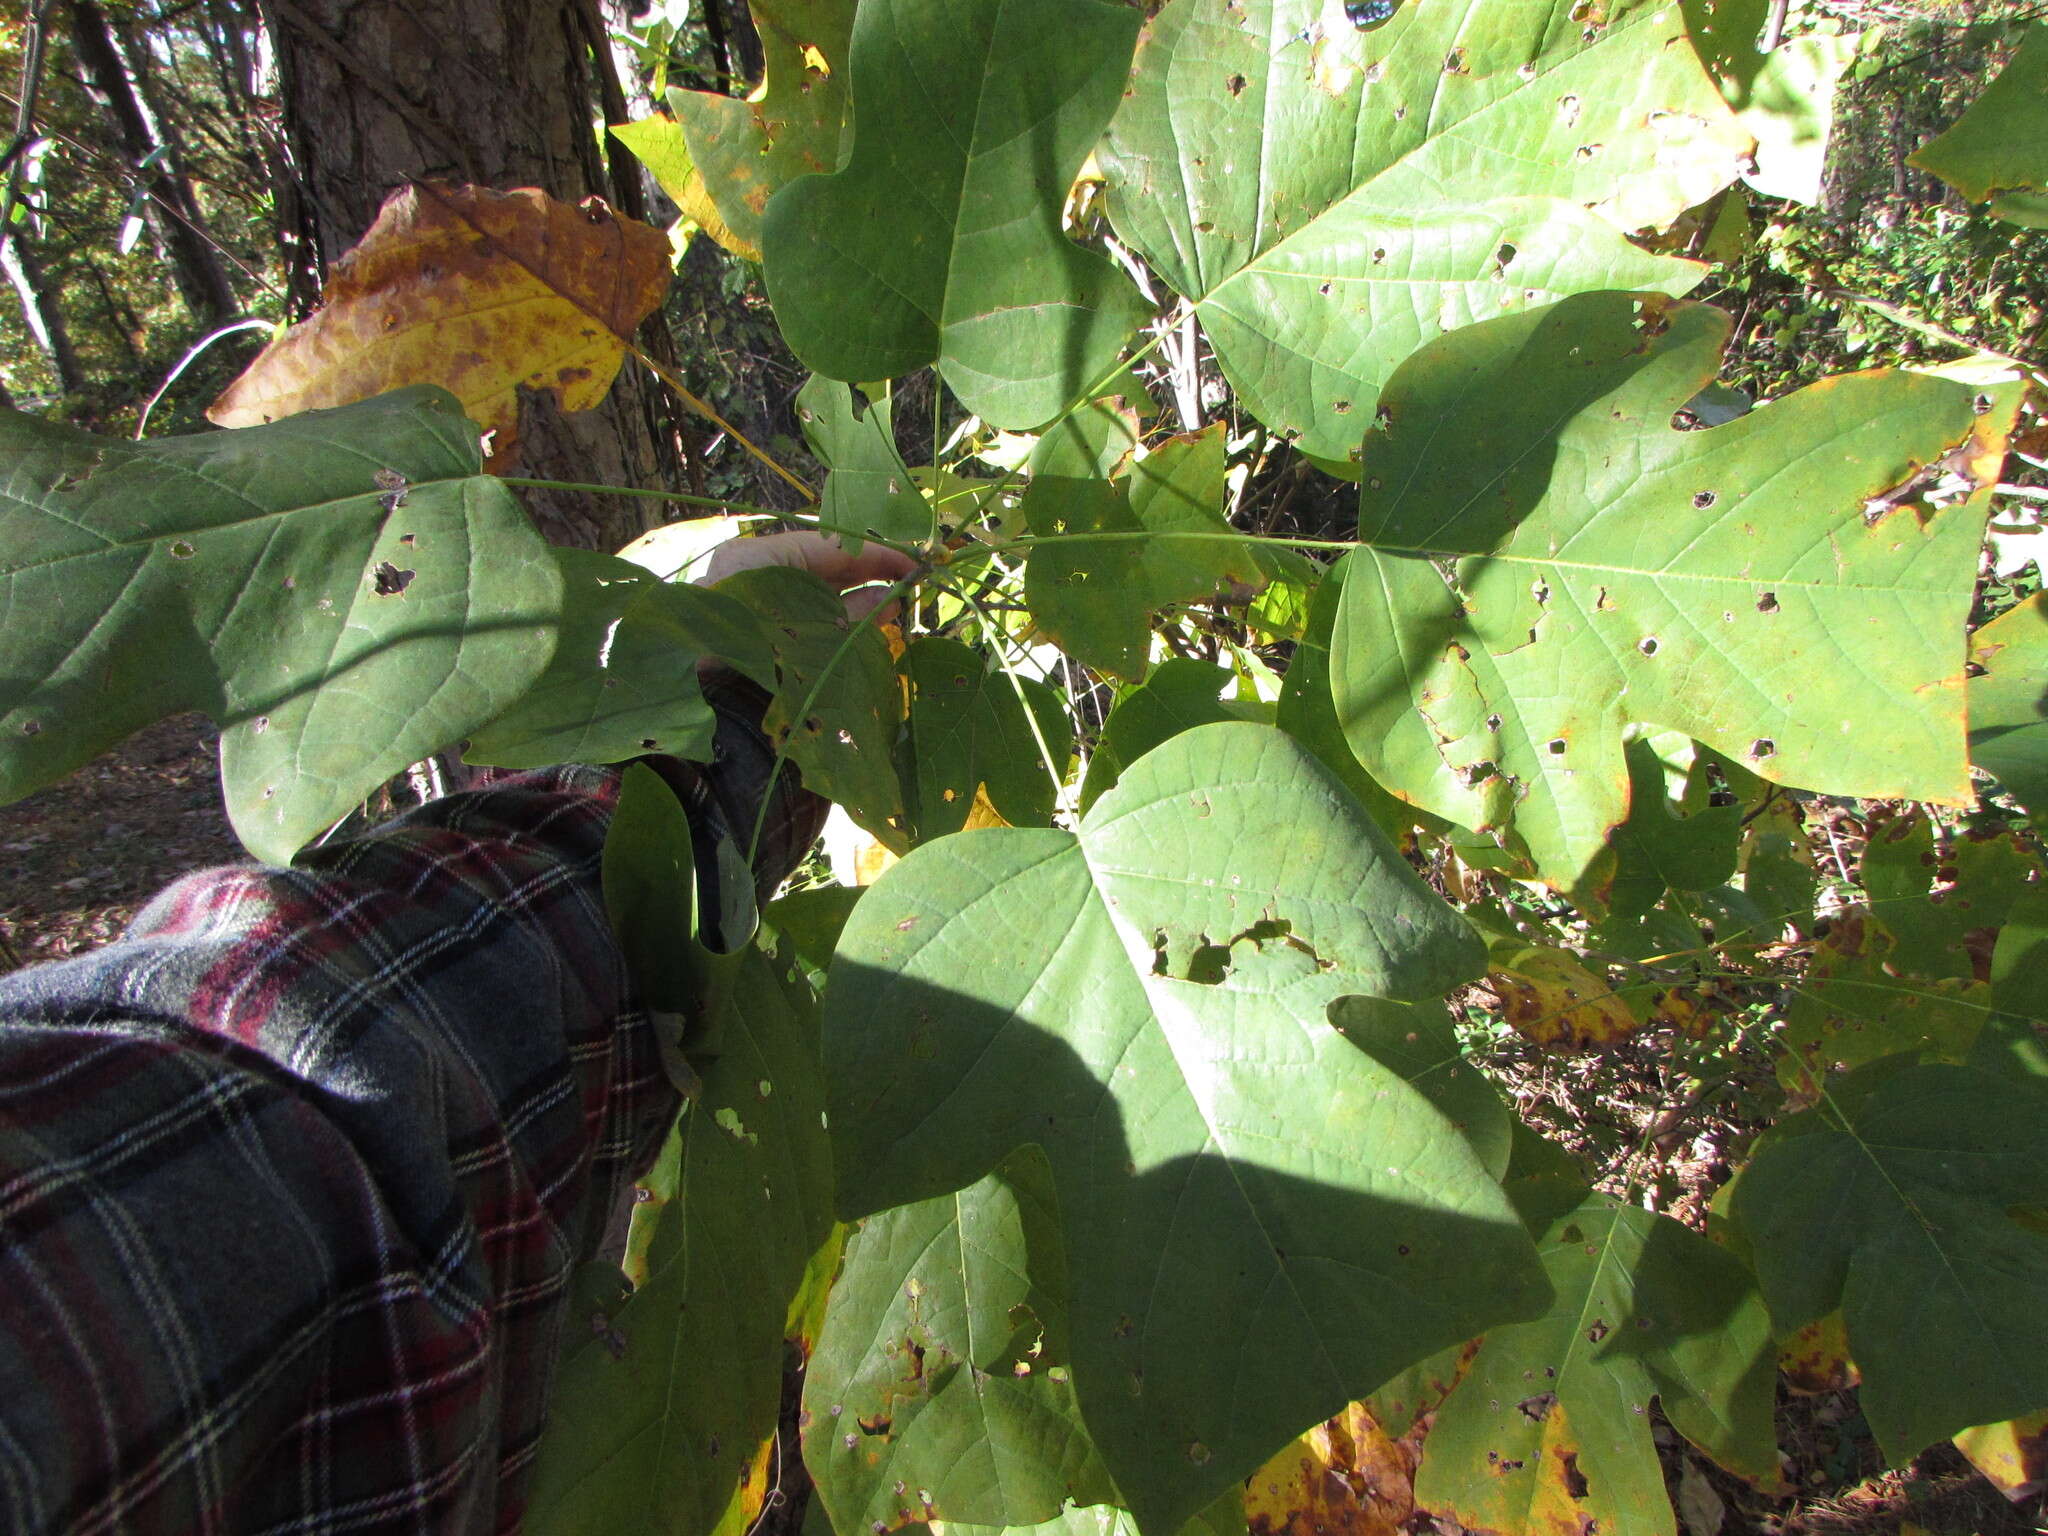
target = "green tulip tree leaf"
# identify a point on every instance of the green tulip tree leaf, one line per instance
(661, 1402)
(745, 150)
(1894, 1201)
(836, 703)
(868, 487)
(1124, 549)
(940, 1388)
(1307, 715)
(940, 240)
(1179, 695)
(1658, 850)
(1330, 198)
(2009, 703)
(343, 592)
(1997, 151)
(1261, 1221)
(1549, 1430)
(1911, 967)
(618, 685)
(967, 728)
(1754, 586)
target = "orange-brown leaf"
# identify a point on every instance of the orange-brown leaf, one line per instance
(477, 291)
(1553, 1000)
(1345, 1477)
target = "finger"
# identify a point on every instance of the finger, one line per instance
(863, 601)
(873, 564)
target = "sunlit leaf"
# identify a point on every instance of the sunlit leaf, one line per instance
(1549, 1430)
(1552, 999)
(343, 593)
(1998, 150)
(1145, 1000)
(1346, 1475)
(477, 291)
(1332, 198)
(1746, 585)
(743, 151)
(940, 240)
(2012, 1454)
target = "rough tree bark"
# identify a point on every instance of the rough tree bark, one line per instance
(502, 93)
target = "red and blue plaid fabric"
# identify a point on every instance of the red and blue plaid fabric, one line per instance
(294, 1177)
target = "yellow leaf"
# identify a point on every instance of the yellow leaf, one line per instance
(747, 151)
(1345, 1477)
(2012, 1455)
(477, 291)
(1816, 1358)
(1554, 1000)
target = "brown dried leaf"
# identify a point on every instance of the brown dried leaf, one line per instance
(480, 292)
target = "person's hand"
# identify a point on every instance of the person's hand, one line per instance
(862, 577)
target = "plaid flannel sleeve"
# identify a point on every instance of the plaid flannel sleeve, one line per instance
(293, 1179)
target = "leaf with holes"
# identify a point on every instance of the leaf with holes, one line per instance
(1347, 1474)
(968, 729)
(1902, 1201)
(1549, 1429)
(2009, 703)
(941, 1387)
(940, 240)
(745, 149)
(342, 593)
(480, 292)
(1768, 587)
(618, 684)
(1998, 150)
(1331, 198)
(867, 487)
(1151, 1012)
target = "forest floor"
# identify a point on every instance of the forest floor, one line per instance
(77, 860)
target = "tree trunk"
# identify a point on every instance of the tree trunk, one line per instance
(45, 316)
(201, 276)
(501, 93)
